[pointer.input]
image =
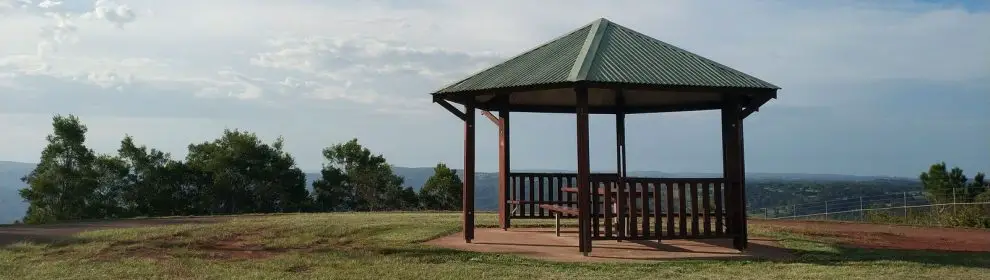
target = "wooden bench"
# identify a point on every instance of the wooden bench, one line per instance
(516, 204)
(557, 210)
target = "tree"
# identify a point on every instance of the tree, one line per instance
(442, 191)
(157, 185)
(941, 184)
(62, 185)
(408, 199)
(109, 197)
(331, 191)
(355, 179)
(238, 173)
(979, 185)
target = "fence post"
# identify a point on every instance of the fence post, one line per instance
(826, 210)
(953, 201)
(862, 215)
(905, 207)
(766, 213)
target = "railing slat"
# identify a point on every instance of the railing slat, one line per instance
(719, 225)
(596, 232)
(644, 207)
(657, 216)
(532, 195)
(573, 196)
(607, 204)
(706, 204)
(539, 195)
(681, 217)
(670, 209)
(631, 210)
(694, 209)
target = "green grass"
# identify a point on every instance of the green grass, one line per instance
(387, 246)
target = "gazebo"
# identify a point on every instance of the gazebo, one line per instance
(605, 68)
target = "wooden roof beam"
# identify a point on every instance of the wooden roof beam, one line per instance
(754, 105)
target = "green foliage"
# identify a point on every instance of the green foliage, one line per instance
(940, 183)
(972, 216)
(442, 191)
(238, 173)
(112, 185)
(355, 179)
(951, 186)
(155, 181)
(61, 187)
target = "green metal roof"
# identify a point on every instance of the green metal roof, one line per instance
(606, 52)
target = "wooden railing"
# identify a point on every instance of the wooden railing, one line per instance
(528, 190)
(664, 208)
(650, 208)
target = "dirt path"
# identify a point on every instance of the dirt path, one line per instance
(888, 236)
(10, 234)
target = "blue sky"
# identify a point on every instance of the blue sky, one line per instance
(869, 87)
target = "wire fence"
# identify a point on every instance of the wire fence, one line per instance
(914, 207)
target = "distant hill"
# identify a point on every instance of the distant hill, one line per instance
(12, 207)
(763, 189)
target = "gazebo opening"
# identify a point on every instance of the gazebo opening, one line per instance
(605, 68)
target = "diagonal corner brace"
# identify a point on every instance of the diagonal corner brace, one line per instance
(491, 117)
(449, 107)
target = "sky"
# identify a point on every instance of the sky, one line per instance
(868, 87)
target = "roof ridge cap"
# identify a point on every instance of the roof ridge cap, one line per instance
(506, 60)
(579, 71)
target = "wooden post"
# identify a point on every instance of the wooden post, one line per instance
(733, 169)
(583, 171)
(504, 167)
(467, 196)
(729, 196)
(620, 161)
(743, 225)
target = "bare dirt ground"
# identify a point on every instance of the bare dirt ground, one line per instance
(542, 243)
(10, 234)
(878, 236)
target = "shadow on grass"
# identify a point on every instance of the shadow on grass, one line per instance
(843, 255)
(60, 234)
(804, 252)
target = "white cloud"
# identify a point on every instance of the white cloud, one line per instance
(110, 11)
(297, 59)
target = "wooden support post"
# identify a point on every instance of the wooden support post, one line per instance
(620, 162)
(504, 167)
(728, 196)
(556, 220)
(743, 224)
(467, 196)
(583, 172)
(733, 169)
